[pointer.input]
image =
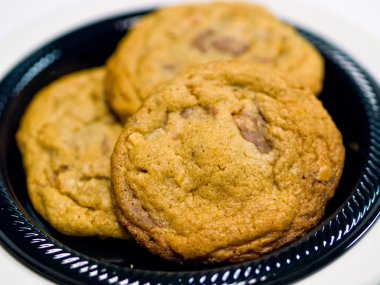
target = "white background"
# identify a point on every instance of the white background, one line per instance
(351, 24)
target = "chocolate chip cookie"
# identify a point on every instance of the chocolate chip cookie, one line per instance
(165, 42)
(66, 138)
(227, 162)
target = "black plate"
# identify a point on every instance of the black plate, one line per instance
(350, 95)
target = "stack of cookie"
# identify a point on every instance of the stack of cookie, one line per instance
(221, 150)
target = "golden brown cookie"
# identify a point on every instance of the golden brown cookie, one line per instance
(165, 42)
(226, 163)
(66, 138)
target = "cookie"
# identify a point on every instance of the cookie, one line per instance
(164, 43)
(66, 139)
(227, 162)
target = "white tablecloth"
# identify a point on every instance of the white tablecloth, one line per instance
(351, 24)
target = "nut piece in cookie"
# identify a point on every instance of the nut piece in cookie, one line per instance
(227, 162)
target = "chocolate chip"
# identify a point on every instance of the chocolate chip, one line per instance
(230, 46)
(142, 170)
(201, 40)
(252, 128)
(63, 168)
(169, 67)
(208, 39)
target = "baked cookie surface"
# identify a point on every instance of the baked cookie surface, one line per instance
(226, 163)
(165, 42)
(66, 138)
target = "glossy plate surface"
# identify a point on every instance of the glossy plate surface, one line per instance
(350, 96)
